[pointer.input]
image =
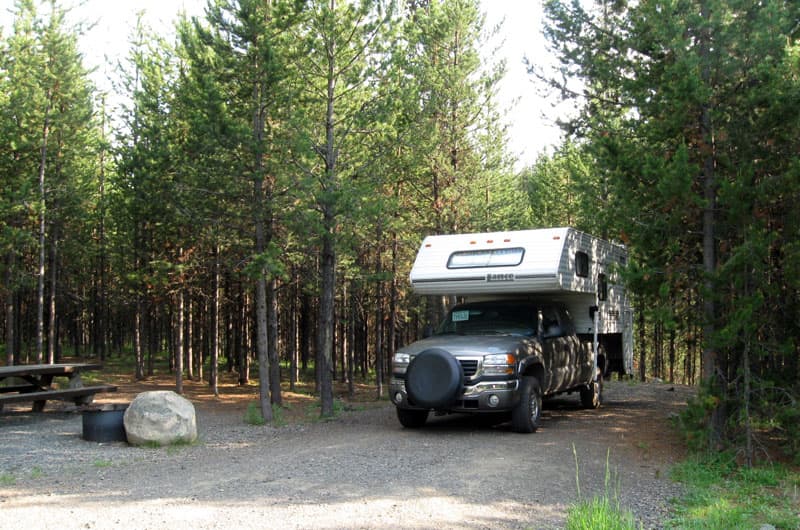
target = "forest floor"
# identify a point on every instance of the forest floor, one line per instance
(359, 470)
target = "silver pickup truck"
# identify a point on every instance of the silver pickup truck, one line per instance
(496, 356)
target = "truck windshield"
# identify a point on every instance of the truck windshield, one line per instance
(491, 319)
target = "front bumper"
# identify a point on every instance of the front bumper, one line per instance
(486, 396)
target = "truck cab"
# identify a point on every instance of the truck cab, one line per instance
(495, 356)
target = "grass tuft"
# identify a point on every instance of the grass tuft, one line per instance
(253, 414)
(600, 512)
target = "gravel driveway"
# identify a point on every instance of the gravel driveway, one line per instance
(362, 470)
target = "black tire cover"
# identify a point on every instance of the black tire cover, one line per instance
(433, 378)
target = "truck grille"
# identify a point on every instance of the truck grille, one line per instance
(469, 366)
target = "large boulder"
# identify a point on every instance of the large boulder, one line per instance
(160, 418)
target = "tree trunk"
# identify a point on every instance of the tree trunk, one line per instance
(326, 318)
(672, 356)
(213, 375)
(328, 258)
(151, 337)
(294, 339)
(272, 337)
(9, 306)
(189, 341)
(179, 341)
(347, 343)
(392, 334)
(642, 346)
(748, 430)
(261, 307)
(261, 346)
(101, 316)
(305, 329)
(52, 327)
(379, 346)
(712, 368)
(137, 338)
(242, 358)
(42, 237)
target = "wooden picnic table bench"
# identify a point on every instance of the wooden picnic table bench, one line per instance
(38, 380)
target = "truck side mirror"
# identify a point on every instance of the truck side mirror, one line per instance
(592, 310)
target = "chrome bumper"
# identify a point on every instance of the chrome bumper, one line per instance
(474, 398)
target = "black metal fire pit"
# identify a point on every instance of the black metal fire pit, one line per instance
(104, 423)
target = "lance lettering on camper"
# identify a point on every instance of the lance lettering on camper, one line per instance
(500, 277)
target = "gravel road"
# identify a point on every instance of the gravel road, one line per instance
(362, 470)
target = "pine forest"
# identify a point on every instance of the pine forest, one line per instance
(255, 199)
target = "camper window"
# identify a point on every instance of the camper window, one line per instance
(602, 287)
(500, 257)
(582, 264)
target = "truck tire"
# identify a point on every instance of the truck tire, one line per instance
(411, 418)
(433, 379)
(592, 394)
(525, 416)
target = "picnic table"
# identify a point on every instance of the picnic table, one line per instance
(37, 384)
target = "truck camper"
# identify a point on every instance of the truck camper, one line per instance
(541, 312)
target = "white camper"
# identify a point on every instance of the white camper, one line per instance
(558, 264)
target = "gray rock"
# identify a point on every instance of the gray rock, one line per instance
(161, 418)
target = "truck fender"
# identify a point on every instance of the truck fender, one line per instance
(533, 365)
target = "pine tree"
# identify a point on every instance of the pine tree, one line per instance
(144, 181)
(678, 116)
(49, 115)
(341, 45)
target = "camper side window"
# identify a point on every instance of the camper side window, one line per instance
(602, 287)
(582, 264)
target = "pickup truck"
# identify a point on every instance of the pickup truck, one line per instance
(496, 356)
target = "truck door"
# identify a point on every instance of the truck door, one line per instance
(578, 358)
(555, 349)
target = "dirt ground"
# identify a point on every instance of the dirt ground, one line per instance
(233, 399)
(649, 432)
(360, 470)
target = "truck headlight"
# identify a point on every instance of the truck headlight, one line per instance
(498, 364)
(400, 362)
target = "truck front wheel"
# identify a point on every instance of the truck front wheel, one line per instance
(525, 416)
(412, 419)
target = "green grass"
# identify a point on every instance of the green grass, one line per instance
(36, 472)
(313, 410)
(171, 448)
(253, 415)
(601, 512)
(722, 495)
(7, 479)
(101, 463)
(176, 447)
